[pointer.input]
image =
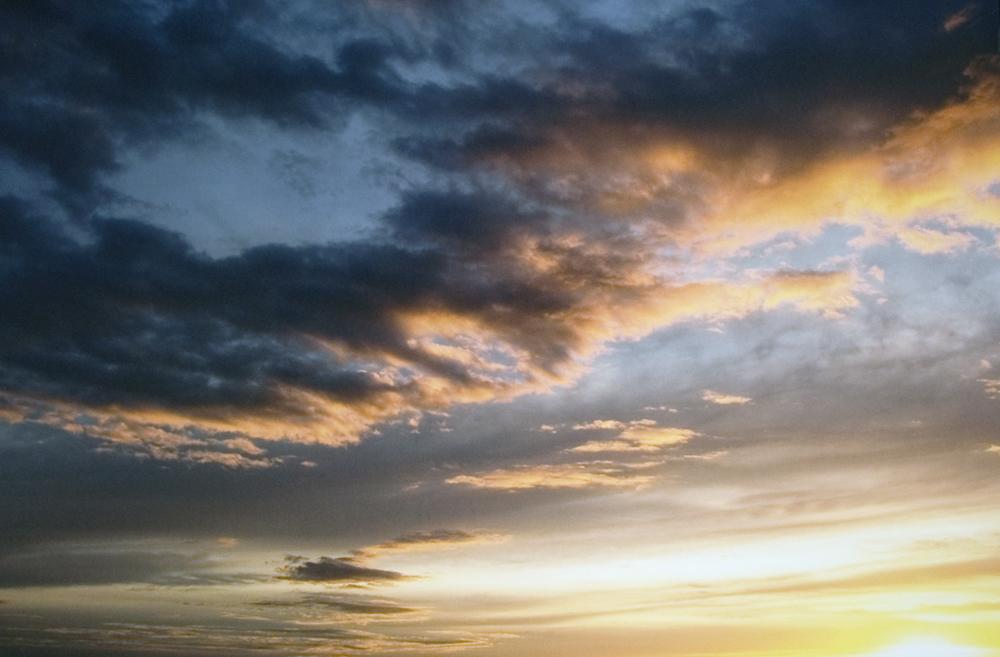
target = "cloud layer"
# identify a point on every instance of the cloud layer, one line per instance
(562, 206)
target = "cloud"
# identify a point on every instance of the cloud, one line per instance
(670, 143)
(690, 76)
(724, 399)
(960, 18)
(434, 539)
(350, 570)
(344, 606)
(833, 164)
(330, 570)
(84, 566)
(599, 424)
(318, 343)
(991, 387)
(536, 239)
(123, 73)
(706, 456)
(919, 576)
(877, 273)
(927, 240)
(894, 188)
(616, 174)
(597, 474)
(209, 639)
(634, 436)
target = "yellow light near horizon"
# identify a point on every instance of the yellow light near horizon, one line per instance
(928, 647)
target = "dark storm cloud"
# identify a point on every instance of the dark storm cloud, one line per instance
(483, 143)
(79, 81)
(105, 346)
(476, 222)
(335, 571)
(797, 60)
(80, 84)
(133, 317)
(798, 78)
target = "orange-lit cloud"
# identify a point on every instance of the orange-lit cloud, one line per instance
(936, 166)
(436, 539)
(991, 387)
(502, 360)
(634, 436)
(724, 399)
(593, 474)
(515, 309)
(960, 18)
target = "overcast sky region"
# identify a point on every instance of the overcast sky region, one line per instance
(508, 328)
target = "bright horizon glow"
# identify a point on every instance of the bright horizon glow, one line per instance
(928, 647)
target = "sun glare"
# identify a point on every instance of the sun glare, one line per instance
(928, 647)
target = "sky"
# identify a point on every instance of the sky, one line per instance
(552, 329)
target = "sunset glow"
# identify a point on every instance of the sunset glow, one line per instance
(520, 328)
